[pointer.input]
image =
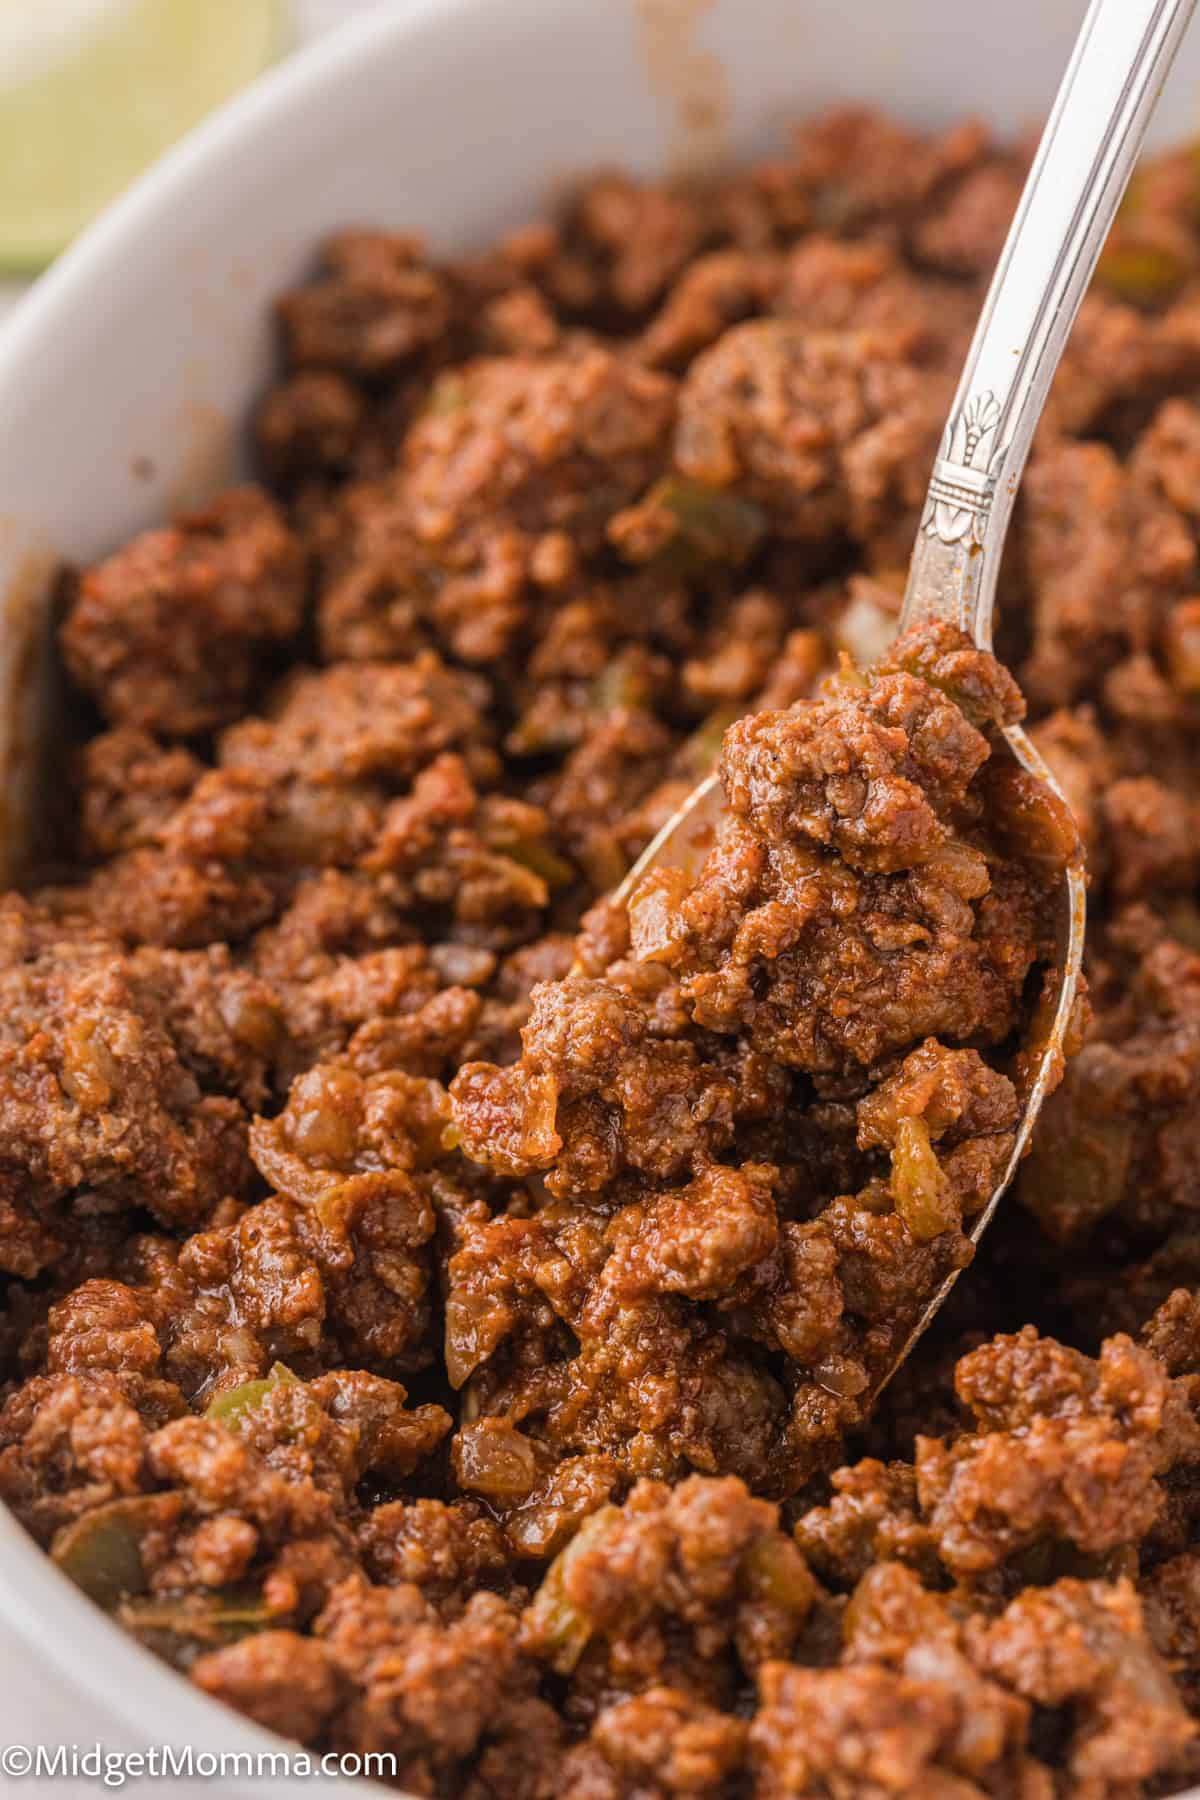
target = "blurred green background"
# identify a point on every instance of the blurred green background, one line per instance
(92, 91)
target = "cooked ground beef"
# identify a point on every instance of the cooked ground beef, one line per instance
(858, 922)
(442, 1309)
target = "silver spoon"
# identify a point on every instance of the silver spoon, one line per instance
(1084, 161)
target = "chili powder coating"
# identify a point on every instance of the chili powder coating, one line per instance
(766, 1037)
(441, 1308)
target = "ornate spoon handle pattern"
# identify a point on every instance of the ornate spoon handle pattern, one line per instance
(1084, 161)
(1085, 158)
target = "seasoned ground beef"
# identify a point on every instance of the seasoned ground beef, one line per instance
(858, 922)
(442, 1310)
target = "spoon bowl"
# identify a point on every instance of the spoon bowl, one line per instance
(1079, 174)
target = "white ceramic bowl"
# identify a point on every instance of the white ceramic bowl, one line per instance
(126, 377)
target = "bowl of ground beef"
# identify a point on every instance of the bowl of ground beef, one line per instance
(437, 1308)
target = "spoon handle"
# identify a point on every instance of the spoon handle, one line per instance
(1089, 147)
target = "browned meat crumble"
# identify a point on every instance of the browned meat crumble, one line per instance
(441, 1309)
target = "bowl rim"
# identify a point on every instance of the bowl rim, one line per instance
(38, 1604)
(262, 105)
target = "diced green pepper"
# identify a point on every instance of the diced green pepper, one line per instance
(700, 752)
(447, 395)
(536, 855)
(181, 1629)
(621, 687)
(1143, 274)
(1077, 1168)
(231, 1409)
(102, 1550)
(697, 525)
(559, 1629)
